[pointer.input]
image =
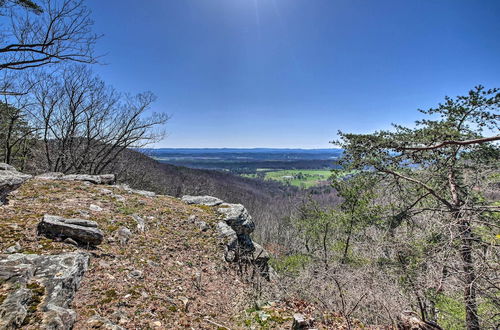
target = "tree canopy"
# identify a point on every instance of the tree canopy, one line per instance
(437, 166)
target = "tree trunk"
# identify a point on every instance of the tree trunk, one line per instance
(8, 144)
(465, 232)
(472, 318)
(325, 247)
(347, 242)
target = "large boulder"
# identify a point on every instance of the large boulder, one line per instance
(231, 241)
(45, 284)
(237, 216)
(84, 232)
(10, 180)
(261, 258)
(202, 200)
(235, 228)
(260, 255)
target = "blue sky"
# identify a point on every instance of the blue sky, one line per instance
(291, 73)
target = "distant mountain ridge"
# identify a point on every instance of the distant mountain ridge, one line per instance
(240, 160)
(240, 150)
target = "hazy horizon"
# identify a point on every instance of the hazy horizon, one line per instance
(231, 148)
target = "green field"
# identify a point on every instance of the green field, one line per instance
(298, 178)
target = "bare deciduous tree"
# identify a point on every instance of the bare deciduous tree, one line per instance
(45, 32)
(85, 125)
(16, 136)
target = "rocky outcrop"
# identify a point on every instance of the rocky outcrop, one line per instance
(235, 228)
(95, 179)
(237, 217)
(10, 180)
(50, 176)
(84, 232)
(202, 200)
(39, 288)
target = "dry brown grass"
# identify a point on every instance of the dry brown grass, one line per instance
(185, 283)
(185, 279)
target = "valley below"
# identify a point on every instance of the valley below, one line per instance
(302, 168)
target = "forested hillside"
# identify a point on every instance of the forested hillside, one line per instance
(270, 202)
(417, 225)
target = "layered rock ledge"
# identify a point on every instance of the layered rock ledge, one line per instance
(40, 288)
(202, 200)
(10, 180)
(235, 228)
(95, 179)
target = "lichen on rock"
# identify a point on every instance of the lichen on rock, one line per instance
(40, 288)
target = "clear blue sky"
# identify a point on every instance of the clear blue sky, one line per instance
(290, 73)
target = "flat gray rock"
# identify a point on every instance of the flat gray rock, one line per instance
(202, 200)
(10, 180)
(107, 178)
(95, 208)
(50, 176)
(84, 232)
(95, 179)
(14, 248)
(7, 167)
(42, 283)
(139, 192)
